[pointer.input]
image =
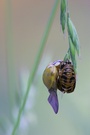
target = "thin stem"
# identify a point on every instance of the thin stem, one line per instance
(36, 63)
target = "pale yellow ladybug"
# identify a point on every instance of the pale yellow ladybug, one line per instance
(50, 76)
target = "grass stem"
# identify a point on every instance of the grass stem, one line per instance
(36, 63)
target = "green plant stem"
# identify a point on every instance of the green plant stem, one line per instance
(36, 63)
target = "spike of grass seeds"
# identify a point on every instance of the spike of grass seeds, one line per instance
(63, 14)
(72, 53)
(73, 34)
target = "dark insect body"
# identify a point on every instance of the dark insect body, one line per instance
(66, 80)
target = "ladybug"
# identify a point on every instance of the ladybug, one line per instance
(50, 76)
(66, 80)
(59, 75)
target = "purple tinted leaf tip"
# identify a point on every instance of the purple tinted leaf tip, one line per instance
(53, 100)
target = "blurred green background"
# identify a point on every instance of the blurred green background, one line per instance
(22, 23)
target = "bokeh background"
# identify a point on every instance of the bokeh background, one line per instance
(22, 24)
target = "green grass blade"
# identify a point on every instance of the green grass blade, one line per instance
(36, 63)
